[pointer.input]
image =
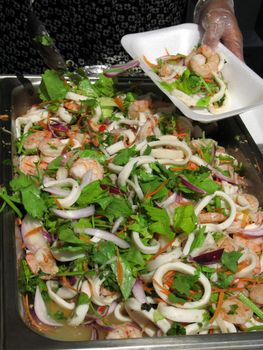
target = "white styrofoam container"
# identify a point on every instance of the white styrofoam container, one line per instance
(245, 86)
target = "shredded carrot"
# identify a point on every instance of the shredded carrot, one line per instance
(162, 250)
(242, 265)
(169, 278)
(218, 307)
(150, 194)
(200, 152)
(221, 290)
(118, 102)
(177, 168)
(150, 64)
(163, 289)
(34, 231)
(57, 202)
(119, 269)
(252, 280)
(18, 221)
(182, 134)
(192, 166)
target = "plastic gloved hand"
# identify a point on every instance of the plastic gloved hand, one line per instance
(218, 19)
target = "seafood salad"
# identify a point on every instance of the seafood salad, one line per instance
(129, 228)
(195, 79)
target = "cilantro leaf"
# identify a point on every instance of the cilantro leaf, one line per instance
(185, 219)
(104, 86)
(118, 206)
(203, 102)
(230, 260)
(224, 280)
(161, 221)
(90, 194)
(127, 280)
(184, 283)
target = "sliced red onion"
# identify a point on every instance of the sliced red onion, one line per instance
(112, 307)
(94, 333)
(75, 214)
(208, 258)
(252, 232)
(138, 291)
(191, 186)
(112, 189)
(107, 236)
(47, 236)
(56, 127)
(120, 68)
(220, 176)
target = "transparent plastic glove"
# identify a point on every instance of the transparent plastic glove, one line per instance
(218, 19)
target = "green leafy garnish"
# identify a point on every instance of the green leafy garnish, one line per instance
(185, 219)
(230, 260)
(52, 87)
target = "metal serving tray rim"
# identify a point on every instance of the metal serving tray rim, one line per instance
(10, 313)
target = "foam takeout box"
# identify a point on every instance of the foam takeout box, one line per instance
(244, 85)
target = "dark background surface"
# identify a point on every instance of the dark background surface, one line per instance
(250, 19)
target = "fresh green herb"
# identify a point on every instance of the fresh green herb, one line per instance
(99, 156)
(203, 102)
(230, 260)
(224, 280)
(83, 299)
(251, 305)
(124, 155)
(157, 316)
(161, 220)
(176, 329)
(30, 195)
(44, 40)
(52, 87)
(185, 219)
(184, 283)
(59, 316)
(199, 239)
(8, 200)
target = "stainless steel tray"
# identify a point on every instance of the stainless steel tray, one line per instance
(14, 334)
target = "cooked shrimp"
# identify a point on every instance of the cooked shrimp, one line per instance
(82, 165)
(204, 61)
(206, 218)
(165, 70)
(51, 148)
(29, 164)
(246, 199)
(234, 311)
(255, 244)
(124, 331)
(256, 294)
(38, 255)
(33, 140)
(137, 107)
(228, 244)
